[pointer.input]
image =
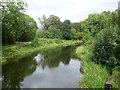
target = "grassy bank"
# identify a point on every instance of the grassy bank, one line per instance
(116, 79)
(95, 75)
(14, 52)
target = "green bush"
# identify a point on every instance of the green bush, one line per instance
(106, 49)
(34, 42)
(50, 33)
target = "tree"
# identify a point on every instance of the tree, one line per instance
(97, 22)
(12, 19)
(43, 34)
(51, 32)
(76, 26)
(43, 21)
(27, 28)
(51, 21)
(66, 29)
(106, 50)
(75, 34)
(56, 33)
(10, 14)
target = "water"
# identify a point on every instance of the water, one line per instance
(51, 68)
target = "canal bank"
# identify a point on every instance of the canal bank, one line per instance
(15, 52)
(95, 76)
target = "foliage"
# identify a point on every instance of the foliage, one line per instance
(76, 34)
(16, 26)
(51, 21)
(103, 50)
(65, 28)
(14, 52)
(95, 75)
(34, 42)
(50, 33)
(76, 26)
(54, 28)
(103, 33)
(56, 33)
(96, 23)
(116, 78)
(43, 34)
(106, 50)
(27, 28)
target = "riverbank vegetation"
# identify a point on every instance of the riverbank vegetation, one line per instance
(100, 33)
(100, 51)
(17, 51)
(95, 75)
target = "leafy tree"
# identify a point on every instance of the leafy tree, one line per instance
(43, 34)
(51, 21)
(10, 14)
(66, 29)
(75, 34)
(43, 21)
(76, 26)
(12, 19)
(27, 28)
(106, 50)
(97, 22)
(103, 48)
(50, 33)
(56, 33)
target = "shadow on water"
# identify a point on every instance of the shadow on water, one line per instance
(14, 73)
(43, 69)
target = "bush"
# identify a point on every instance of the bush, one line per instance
(102, 52)
(50, 33)
(106, 50)
(34, 42)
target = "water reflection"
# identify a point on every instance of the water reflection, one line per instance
(39, 58)
(48, 68)
(14, 73)
(52, 58)
(64, 76)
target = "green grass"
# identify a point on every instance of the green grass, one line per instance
(15, 52)
(95, 75)
(116, 78)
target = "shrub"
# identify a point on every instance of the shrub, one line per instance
(106, 50)
(34, 42)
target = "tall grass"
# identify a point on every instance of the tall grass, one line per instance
(116, 78)
(95, 75)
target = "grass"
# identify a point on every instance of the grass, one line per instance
(116, 79)
(15, 52)
(95, 75)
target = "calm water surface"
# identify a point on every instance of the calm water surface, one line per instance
(50, 68)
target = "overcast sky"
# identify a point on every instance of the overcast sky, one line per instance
(74, 10)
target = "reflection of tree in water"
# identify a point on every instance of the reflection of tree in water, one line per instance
(15, 72)
(53, 57)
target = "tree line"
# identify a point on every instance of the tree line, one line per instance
(52, 27)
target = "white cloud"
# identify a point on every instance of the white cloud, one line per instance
(75, 10)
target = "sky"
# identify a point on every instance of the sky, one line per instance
(74, 10)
